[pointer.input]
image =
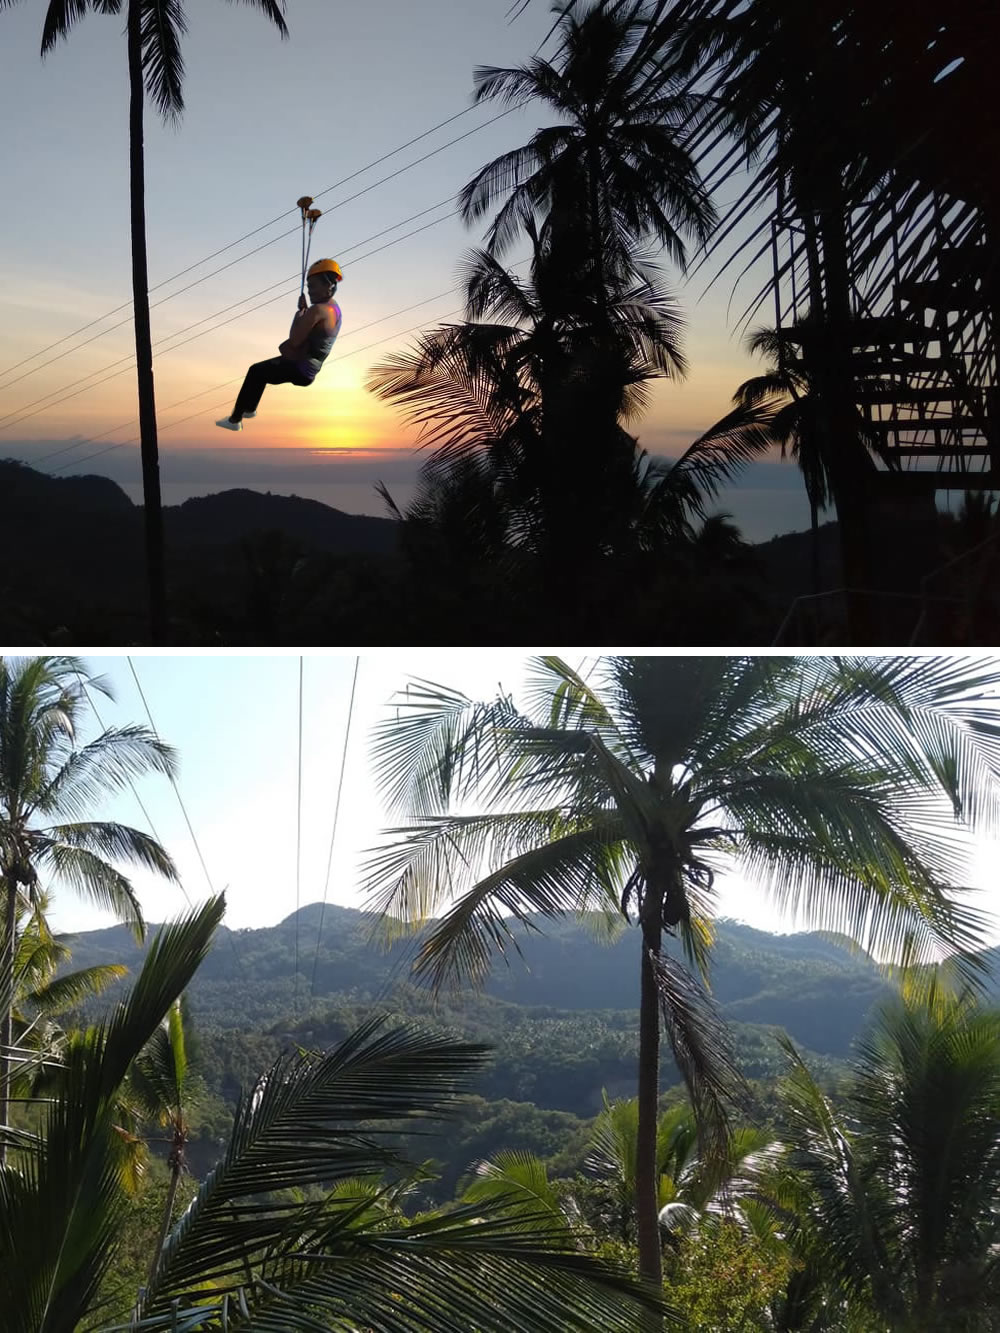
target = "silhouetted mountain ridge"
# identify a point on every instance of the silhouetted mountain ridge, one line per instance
(229, 516)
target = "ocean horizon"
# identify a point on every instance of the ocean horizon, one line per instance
(768, 501)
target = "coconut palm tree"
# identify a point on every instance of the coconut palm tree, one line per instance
(689, 1189)
(46, 776)
(153, 30)
(157, 1090)
(524, 408)
(835, 784)
(249, 1252)
(902, 1189)
(797, 425)
(615, 171)
(39, 997)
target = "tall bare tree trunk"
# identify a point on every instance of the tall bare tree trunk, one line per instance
(6, 1022)
(646, 1212)
(175, 1175)
(850, 470)
(153, 515)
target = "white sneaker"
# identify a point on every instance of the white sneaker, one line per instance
(226, 424)
(249, 416)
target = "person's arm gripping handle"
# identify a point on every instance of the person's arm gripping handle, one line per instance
(298, 334)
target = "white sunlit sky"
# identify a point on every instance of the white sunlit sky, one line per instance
(235, 723)
(266, 121)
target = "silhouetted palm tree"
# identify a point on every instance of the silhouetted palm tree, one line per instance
(823, 778)
(541, 400)
(616, 171)
(155, 68)
(797, 425)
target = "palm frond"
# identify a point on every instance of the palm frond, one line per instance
(437, 747)
(106, 764)
(91, 876)
(60, 16)
(54, 997)
(60, 1213)
(702, 1052)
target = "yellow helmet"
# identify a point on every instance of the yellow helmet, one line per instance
(326, 266)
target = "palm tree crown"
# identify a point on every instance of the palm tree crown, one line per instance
(835, 784)
(617, 166)
(893, 1199)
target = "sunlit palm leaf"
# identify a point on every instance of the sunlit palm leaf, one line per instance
(301, 1124)
(59, 1214)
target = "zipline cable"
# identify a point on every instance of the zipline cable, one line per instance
(128, 362)
(357, 352)
(224, 384)
(384, 180)
(180, 801)
(333, 831)
(77, 444)
(146, 815)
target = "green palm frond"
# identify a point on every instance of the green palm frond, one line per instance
(92, 877)
(104, 765)
(298, 1126)
(437, 747)
(60, 1212)
(322, 1119)
(116, 841)
(521, 1181)
(926, 1090)
(479, 1267)
(158, 1075)
(899, 1212)
(823, 1152)
(613, 1144)
(560, 872)
(702, 1051)
(69, 990)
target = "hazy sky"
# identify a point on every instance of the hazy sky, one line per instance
(265, 122)
(234, 721)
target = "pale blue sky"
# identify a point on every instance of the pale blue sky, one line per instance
(266, 121)
(234, 721)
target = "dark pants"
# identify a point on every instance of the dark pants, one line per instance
(277, 370)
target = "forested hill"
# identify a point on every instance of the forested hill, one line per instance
(818, 992)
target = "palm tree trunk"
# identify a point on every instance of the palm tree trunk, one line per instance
(814, 551)
(647, 1220)
(152, 512)
(848, 477)
(7, 1025)
(168, 1210)
(817, 301)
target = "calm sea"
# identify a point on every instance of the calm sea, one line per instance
(769, 501)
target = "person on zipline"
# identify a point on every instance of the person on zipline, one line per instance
(314, 331)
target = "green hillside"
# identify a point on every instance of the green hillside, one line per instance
(561, 1020)
(819, 993)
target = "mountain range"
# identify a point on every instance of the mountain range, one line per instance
(806, 984)
(559, 1015)
(246, 566)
